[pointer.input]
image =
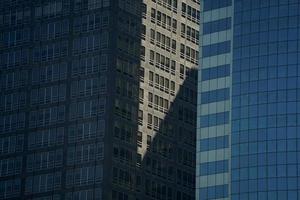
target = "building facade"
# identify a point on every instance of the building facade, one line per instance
(98, 99)
(169, 91)
(248, 106)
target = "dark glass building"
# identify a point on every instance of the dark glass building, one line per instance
(98, 99)
(249, 100)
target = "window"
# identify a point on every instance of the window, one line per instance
(88, 87)
(142, 74)
(46, 138)
(216, 49)
(149, 140)
(56, 93)
(89, 43)
(12, 101)
(43, 183)
(142, 52)
(139, 138)
(149, 120)
(11, 144)
(86, 131)
(13, 122)
(183, 29)
(85, 153)
(144, 10)
(44, 160)
(214, 192)
(151, 57)
(174, 25)
(88, 65)
(172, 85)
(214, 143)
(141, 95)
(189, 53)
(173, 67)
(216, 26)
(84, 176)
(215, 96)
(162, 62)
(47, 116)
(182, 49)
(140, 117)
(50, 51)
(191, 13)
(153, 14)
(214, 119)
(150, 98)
(215, 72)
(214, 4)
(152, 34)
(10, 188)
(11, 166)
(163, 20)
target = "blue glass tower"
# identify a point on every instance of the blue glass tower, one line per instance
(248, 129)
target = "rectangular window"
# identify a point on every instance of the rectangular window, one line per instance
(214, 192)
(216, 49)
(215, 96)
(153, 13)
(151, 56)
(217, 26)
(215, 72)
(214, 143)
(214, 119)
(215, 4)
(10, 188)
(150, 97)
(152, 34)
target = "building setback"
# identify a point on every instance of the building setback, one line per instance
(98, 99)
(248, 100)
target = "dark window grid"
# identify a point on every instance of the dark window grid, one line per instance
(85, 153)
(44, 160)
(86, 131)
(11, 144)
(43, 183)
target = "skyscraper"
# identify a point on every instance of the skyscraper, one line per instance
(98, 99)
(248, 106)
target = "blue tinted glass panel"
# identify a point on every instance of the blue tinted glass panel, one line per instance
(215, 96)
(214, 4)
(216, 49)
(216, 26)
(214, 119)
(213, 167)
(264, 88)
(214, 192)
(214, 143)
(215, 72)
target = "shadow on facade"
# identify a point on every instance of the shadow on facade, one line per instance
(166, 170)
(168, 166)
